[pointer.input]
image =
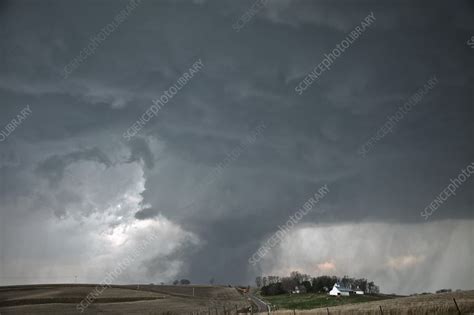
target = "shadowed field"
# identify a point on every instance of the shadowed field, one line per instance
(127, 299)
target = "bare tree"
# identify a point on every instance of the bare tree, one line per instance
(273, 279)
(288, 284)
(298, 277)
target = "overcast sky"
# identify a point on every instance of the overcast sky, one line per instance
(76, 196)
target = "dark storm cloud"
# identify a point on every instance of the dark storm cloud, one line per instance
(313, 139)
(141, 151)
(53, 167)
(146, 213)
(249, 77)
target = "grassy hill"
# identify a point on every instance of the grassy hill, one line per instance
(305, 301)
(442, 304)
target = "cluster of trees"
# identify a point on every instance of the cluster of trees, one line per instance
(273, 285)
(182, 281)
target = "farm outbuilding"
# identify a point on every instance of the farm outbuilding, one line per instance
(337, 290)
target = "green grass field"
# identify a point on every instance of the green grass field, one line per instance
(306, 301)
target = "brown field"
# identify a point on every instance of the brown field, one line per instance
(421, 304)
(148, 299)
(157, 299)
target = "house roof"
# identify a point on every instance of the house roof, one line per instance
(345, 289)
(342, 289)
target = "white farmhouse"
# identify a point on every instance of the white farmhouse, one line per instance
(337, 290)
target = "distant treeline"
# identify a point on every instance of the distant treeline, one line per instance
(273, 285)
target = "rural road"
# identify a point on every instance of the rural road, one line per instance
(262, 306)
